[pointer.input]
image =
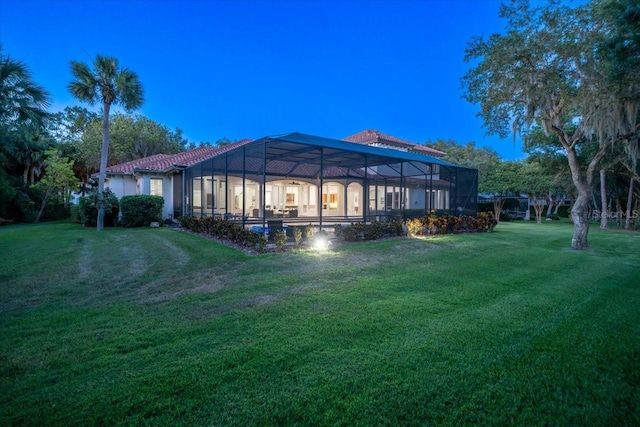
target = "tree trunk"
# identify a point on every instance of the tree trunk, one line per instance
(604, 213)
(25, 172)
(45, 200)
(579, 214)
(627, 219)
(618, 212)
(539, 209)
(550, 205)
(104, 155)
(498, 204)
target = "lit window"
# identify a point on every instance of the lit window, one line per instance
(156, 186)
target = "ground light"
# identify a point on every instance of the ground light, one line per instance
(321, 242)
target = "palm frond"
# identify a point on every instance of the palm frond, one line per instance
(130, 89)
(84, 85)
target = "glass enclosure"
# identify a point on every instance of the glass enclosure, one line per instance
(302, 180)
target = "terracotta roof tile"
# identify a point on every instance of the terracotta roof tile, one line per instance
(129, 167)
(369, 137)
(163, 162)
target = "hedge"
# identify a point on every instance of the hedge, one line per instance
(140, 210)
(88, 208)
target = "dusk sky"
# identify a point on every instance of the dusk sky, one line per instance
(247, 69)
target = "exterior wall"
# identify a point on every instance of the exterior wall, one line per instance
(167, 194)
(131, 185)
(122, 185)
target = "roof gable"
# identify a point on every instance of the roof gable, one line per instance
(375, 137)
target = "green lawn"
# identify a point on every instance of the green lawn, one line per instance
(148, 326)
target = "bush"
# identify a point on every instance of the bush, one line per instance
(74, 210)
(21, 207)
(564, 211)
(88, 208)
(432, 224)
(225, 230)
(415, 227)
(307, 232)
(375, 230)
(486, 221)
(280, 239)
(297, 235)
(55, 211)
(140, 210)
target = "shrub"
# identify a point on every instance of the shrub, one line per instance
(74, 210)
(188, 222)
(55, 210)
(225, 230)
(415, 226)
(375, 230)
(22, 206)
(140, 210)
(88, 208)
(353, 232)
(564, 211)
(486, 221)
(307, 232)
(297, 235)
(280, 239)
(394, 228)
(554, 217)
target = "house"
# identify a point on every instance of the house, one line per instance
(376, 138)
(303, 178)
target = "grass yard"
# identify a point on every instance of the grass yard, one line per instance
(158, 326)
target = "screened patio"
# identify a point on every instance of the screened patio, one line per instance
(300, 178)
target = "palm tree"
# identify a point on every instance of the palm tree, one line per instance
(27, 145)
(109, 84)
(23, 106)
(22, 102)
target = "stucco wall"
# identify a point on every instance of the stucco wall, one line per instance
(122, 185)
(127, 185)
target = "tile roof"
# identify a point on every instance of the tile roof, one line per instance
(128, 167)
(164, 162)
(370, 137)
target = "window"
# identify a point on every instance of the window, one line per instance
(330, 197)
(208, 191)
(313, 195)
(156, 186)
(197, 193)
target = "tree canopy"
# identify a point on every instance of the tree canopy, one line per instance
(131, 137)
(468, 155)
(553, 67)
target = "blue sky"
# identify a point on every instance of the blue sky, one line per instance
(247, 69)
